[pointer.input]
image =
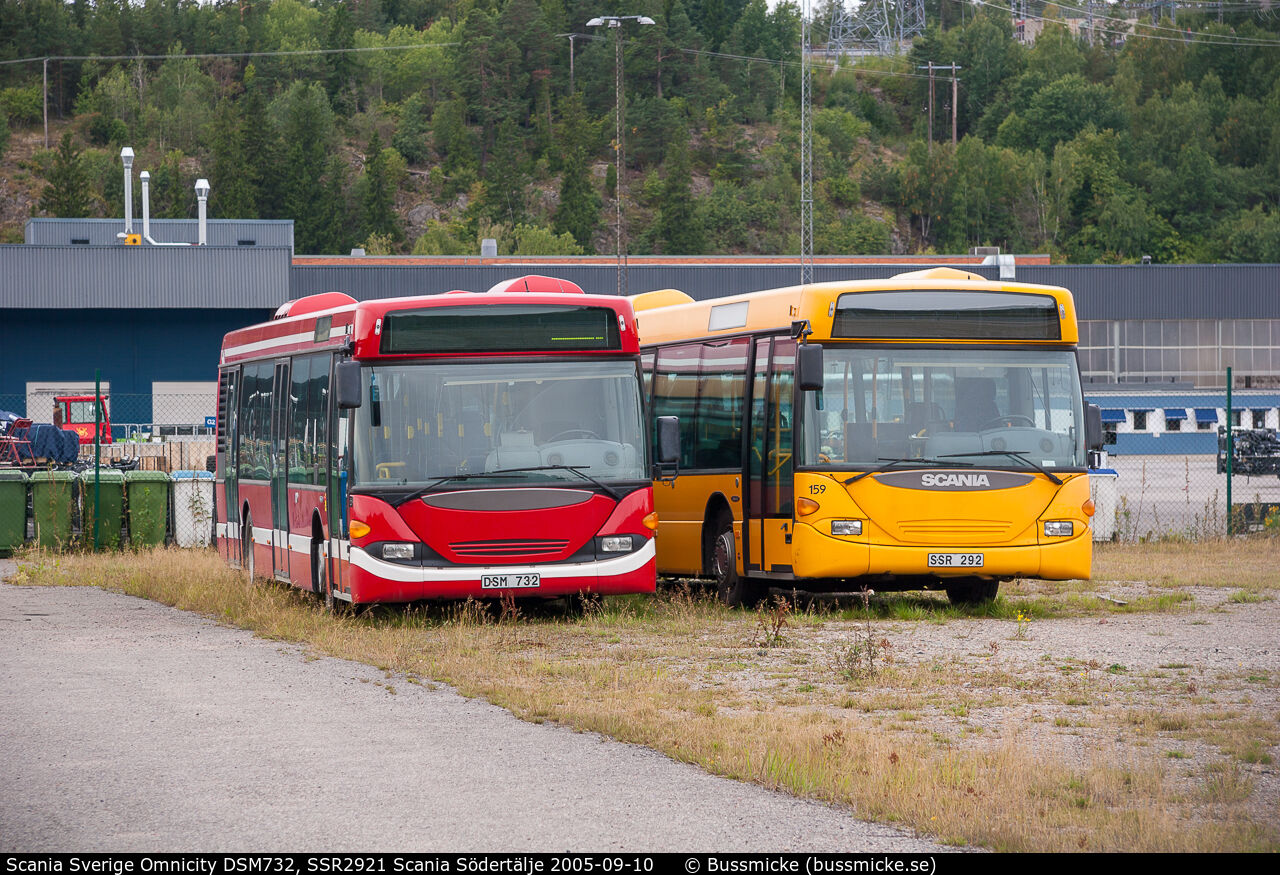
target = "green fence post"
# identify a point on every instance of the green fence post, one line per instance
(97, 453)
(1231, 451)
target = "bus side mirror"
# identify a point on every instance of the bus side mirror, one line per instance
(347, 390)
(809, 367)
(668, 440)
(1093, 427)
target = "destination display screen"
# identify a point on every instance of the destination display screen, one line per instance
(500, 328)
(947, 314)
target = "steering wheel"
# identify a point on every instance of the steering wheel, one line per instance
(571, 432)
(1009, 419)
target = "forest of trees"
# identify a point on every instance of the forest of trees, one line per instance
(451, 120)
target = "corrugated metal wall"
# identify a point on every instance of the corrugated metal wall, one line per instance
(102, 232)
(132, 277)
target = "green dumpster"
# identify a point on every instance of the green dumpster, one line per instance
(111, 521)
(52, 501)
(148, 507)
(13, 510)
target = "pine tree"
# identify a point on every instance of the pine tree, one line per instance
(579, 210)
(378, 215)
(308, 132)
(263, 150)
(234, 194)
(411, 135)
(67, 194)
(679, 226)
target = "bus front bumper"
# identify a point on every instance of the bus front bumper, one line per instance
(374, 580)
(816, 555)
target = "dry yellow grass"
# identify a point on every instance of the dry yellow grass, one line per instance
(1248, 564)
(685, 676)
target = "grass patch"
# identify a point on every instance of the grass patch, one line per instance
(1238, 563)
(685, 676)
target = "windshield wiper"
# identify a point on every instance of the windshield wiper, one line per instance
(418, 493)
(1057, 481)
(889, 463)
(576, 469)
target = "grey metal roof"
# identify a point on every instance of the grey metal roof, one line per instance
(1229, 291)
(133, 277)
(102, 232)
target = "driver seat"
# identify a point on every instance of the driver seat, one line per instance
(515, 450)
(975, 403)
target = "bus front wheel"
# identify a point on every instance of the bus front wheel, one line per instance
(971, 590)
(734, 590)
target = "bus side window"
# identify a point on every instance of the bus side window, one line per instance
(675, 393)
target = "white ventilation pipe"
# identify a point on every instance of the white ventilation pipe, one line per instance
(126, 156)
(145, 178)
(202, 195)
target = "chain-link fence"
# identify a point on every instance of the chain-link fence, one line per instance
(156, 432)
(1159, 496)
(1139, 495)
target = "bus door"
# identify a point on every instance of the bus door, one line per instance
(769, 499)
(227, 448)
(282, 415)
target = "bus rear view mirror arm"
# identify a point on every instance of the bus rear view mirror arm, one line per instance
(347, 387)
(809, 367)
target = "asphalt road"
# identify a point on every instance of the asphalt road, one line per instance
(129, 726)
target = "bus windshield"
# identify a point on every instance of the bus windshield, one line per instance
(499, 423)
(968, 405)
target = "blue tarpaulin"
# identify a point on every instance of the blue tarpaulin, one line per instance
(1206, 414)
(1175, 413)
(1112, 414)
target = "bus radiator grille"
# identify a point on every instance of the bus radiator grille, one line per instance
(507, 549)
(953, 531)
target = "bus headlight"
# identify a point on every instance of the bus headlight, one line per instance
(397, 551)
(846, 527)
(621, 544)
(1059, 529)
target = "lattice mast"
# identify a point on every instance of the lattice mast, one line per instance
(880, 26)
(806, 147)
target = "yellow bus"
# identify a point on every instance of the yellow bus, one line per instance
(925, 431)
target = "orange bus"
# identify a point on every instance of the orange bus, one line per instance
(923, 431)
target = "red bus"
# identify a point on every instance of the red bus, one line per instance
(439, 447)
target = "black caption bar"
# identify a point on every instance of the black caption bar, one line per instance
(425, 864)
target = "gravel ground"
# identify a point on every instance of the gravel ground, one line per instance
(130, 726)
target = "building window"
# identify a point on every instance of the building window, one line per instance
(1173, 425)
(1236, 416)
(1259, 419)
(1140, 420)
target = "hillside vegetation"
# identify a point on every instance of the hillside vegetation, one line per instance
(445, 121)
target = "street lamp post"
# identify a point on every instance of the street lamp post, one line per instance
(616, 22)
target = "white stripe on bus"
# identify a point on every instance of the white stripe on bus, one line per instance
(455, 573)
(273, 342)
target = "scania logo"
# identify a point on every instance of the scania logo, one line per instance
(954, 481)
(951, 481)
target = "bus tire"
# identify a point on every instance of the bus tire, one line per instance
(733, 589)
(319, 569)
(971, 590)
(246, 547)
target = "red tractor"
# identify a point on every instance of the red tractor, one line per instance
(78, 415)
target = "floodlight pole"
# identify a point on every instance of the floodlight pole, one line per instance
(620, 233)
